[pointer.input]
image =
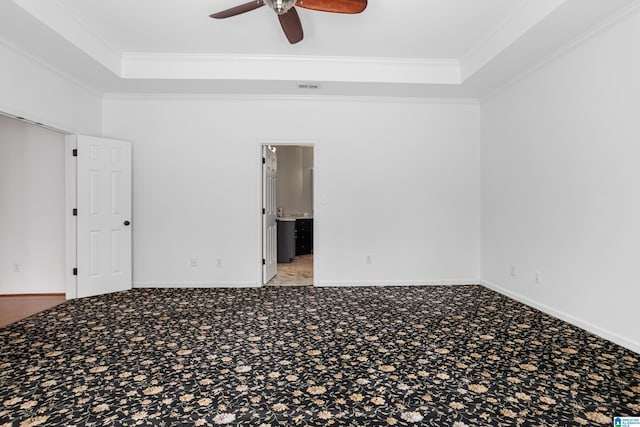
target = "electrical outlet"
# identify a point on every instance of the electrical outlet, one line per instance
(537, 277)
(17, 268)
(219, 262)
(193, 262)
(512, 271)
(368, 259)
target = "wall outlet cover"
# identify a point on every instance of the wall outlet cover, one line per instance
(537, 277)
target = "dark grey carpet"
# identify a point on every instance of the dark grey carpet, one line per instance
(310, 356)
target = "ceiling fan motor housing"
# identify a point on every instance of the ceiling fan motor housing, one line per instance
(287, 14)
(280, 6)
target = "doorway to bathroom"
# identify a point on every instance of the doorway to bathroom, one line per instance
(289, 169)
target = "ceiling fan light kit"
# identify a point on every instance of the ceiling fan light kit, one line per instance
(288, 16)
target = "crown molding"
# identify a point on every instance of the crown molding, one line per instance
(54, 70)
(525, 17)
(52, 14)
(447, 75)
(619, 16)
(296, 68)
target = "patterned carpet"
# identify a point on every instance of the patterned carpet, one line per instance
(440, 356)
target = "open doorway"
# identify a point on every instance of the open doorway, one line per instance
(50, 188)
(294, 220)
(32, 210)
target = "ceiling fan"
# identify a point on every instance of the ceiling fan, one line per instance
(289, 19)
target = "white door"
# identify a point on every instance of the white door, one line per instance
(269, 229)
(104, 215)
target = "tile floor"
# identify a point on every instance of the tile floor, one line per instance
(298, 272)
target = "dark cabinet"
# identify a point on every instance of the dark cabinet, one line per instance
(304, 236)
(286, 240)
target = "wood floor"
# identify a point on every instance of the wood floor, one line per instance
(299, 272)
(18, 307)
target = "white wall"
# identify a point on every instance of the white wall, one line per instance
(32, 201)
(31, 90)
(411, 203)
(561, 182)
(294, 179)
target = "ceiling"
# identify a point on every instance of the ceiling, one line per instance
(419, 29)
(408, 48)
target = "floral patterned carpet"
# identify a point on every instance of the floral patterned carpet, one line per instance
(441, 356)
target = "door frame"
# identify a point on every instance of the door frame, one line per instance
(71, 222)
(269, 213)
(70, 174)
(302, 142)
(71, 180)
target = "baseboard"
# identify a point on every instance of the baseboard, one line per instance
(185, 285)
(324, 284)
(603, 333)
(368, 283)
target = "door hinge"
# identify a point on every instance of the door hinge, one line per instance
(75, 271)
(74, 153)
(264, 160)
(75, 212)
(264, 261)
(264, 211)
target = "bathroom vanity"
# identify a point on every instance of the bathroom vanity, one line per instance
(295, 237)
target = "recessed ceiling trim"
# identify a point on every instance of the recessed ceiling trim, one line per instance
(530, 14)
(59, 72)
(55, 17)
(333, 69)
(523, 37)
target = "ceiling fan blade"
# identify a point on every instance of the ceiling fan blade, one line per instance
(335, 6)
(291, 26)
(246, 7)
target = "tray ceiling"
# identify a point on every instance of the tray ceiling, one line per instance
(450, 48)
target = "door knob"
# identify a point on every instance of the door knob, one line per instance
(127, 223)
